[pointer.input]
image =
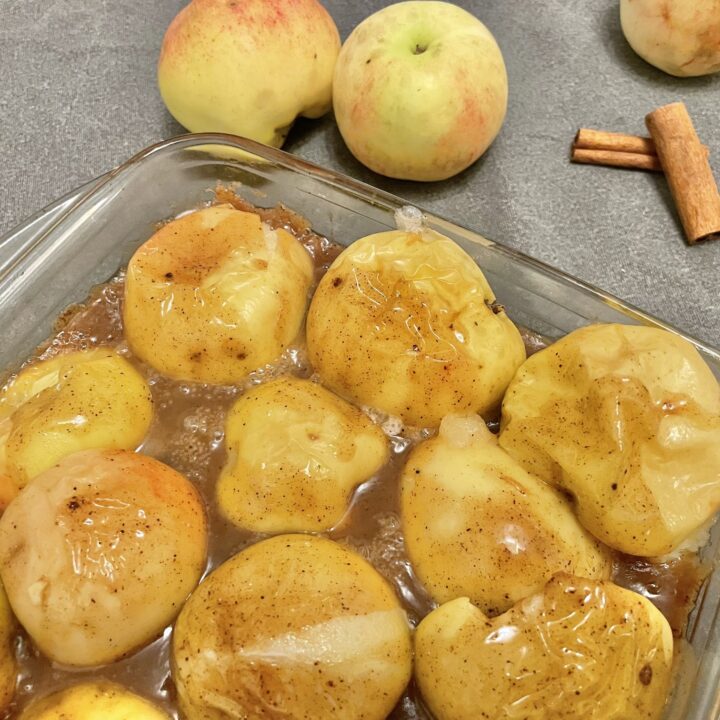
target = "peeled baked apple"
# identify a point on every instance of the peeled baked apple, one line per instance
(8, 666)
(215, 294)
(75, 401)
(295, 454)
(405, 322)
(579, 649)
(681, 37)
(294, 627)
(476, 524)
(93, 701)
(248, 68)
(626, 419)
(98, 553)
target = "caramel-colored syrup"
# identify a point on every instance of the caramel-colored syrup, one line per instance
(187, 433)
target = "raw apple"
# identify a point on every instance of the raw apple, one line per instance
(681, 37)
(248, 67)
(420, 90)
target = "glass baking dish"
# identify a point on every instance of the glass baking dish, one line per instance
(55, 259)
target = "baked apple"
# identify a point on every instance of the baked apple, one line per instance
(295, 454)
(577, 649)
(76, 401)
(627, 420)
(215, 294)
(101, 700)
(296, 626)
(98, 553)
(405, 322)
(477, 525)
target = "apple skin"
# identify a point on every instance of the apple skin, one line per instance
(248, 67)
(681, 37)
(420, 90)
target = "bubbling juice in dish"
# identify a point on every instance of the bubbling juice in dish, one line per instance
(187, 433)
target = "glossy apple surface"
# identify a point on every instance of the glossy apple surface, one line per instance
(405, 322)
(477, 525)
(627, 420)
(74, 401)
(293, 627)
(101, 700)
(295, 453)
(577, 649)
(215, 294)
(98, 553)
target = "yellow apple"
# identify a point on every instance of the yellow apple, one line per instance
(406, 323)
(295, 453)
(476, 524)
(420, 90)
(74, 401)
(248, 67)
(99, 700)
(627, 420)
(293, 627)
(681, 37)
(98, 553)
(577, 649)
(215, 294)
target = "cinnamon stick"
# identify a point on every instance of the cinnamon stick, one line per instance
(614, 158)
(688, 171)
(601, 140)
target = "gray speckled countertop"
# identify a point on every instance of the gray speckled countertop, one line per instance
(78, 96)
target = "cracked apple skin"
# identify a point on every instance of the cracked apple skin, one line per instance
(297, 627)
(295, 454)
(420, 90)
(406, 323)
(627, 420)
(578, 649)
(98, 554)
(476, 524)
(248, 67)
(74, 401)
(680, 37)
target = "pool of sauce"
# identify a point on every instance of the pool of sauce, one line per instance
(187, 433)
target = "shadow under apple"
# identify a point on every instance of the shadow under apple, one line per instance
(424, 193)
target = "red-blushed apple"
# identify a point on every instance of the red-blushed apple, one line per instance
(248, 67)
(681, 37)
(420, 90)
